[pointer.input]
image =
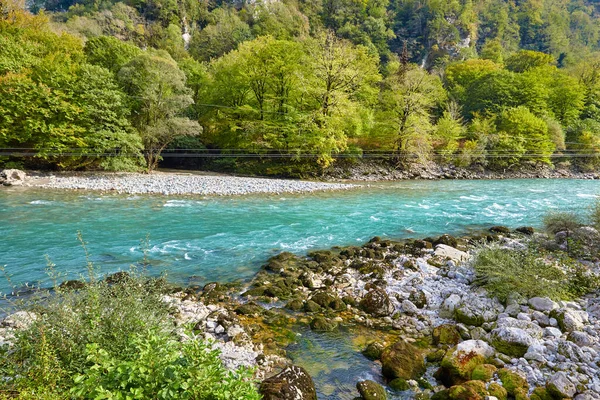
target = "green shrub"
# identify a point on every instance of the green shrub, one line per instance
(503, 272)
(555, 222)
(112, 338)
(163, 368)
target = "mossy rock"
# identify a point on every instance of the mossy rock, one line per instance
(500, 229)
(460, 365)
(424, 383)
(321, 324)
(370, 390)
(496, 390)
(521, 394)
(446, 334)
(374, 350)
(277, 291)
(311, 306)
(285, 261)
(249, 309)
(402, 360)
(419, 298)
(461, 392)
(483, 372)
(448, 240)
(477, 386)
(295, 305)
(467, 317)
(540, 393)
(436, 355)
(255, 291)
(512, 381)
(324, 299)
(441, 395)
(399, 384)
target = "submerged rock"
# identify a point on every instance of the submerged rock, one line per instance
(293, 383)
(370, 390)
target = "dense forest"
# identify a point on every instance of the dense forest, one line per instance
(494, 83)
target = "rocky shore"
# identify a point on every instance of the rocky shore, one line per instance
(371, 170)
(176, 184)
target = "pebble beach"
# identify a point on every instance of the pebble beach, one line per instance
(180, 184)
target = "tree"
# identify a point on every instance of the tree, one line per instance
(520, 124)
(109, 52)
(220, 37)
(407, 100)
(158, 96)
(525, 60)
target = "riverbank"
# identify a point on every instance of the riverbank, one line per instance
(177, 183)
(373, 170)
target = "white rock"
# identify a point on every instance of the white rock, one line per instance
(542, 304)
(443, 250)
(559, 383)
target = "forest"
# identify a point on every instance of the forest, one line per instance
(101, 84)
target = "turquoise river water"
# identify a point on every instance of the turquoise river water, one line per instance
(202, 239)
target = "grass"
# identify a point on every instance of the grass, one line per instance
(531, 273)
(112, 340)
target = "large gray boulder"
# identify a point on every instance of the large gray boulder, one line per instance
(570, 320)
(475, 310)
(293, 383)
(445, 251)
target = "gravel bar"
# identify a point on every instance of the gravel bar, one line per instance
(183, 184)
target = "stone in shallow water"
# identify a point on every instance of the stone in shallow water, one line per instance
(402, 360)
(370, 390)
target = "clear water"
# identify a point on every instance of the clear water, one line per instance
(200, 239)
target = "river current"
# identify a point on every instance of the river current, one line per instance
(201, 239)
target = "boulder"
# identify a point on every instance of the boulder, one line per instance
(526, 230)
(513, 382)
(511, 341)
(560, 387)
(402, 360)
(447, 240)
(293, 383)
(581, 339)
(475, 310)
(534, 330)
(377, 303)
(374, 350)
(12, 177)
(499, 229)
(543, 304)
(444, 251)
(446, 334)
(570, 320)
(370, 390)
(483, 372)
(418, 297)
(460, 361)
(321, 324)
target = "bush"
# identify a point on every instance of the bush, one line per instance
(112, 338)
(503, 272)
(561, 222)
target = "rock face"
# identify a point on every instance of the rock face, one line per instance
(370, 390)
(12, 177)
(293, 383)
(402, 360)
(377, 303)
